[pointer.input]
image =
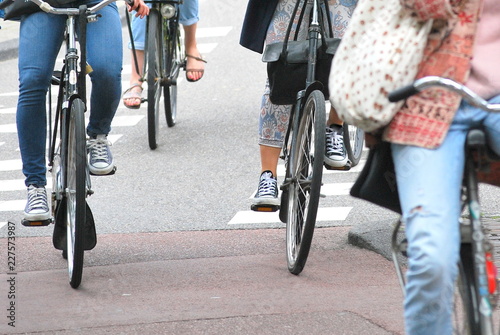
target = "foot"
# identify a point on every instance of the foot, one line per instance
(335, 152)
(100, 158)
(267, 193)
(132, 97)
(37, 207)
(195, 67)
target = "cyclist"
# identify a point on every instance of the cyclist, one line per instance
(265, 23)
(40, 39)
(188, 17)
(428, 137)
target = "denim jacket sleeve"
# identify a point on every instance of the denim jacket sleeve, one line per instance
(432, 9)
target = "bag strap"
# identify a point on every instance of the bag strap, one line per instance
(320, 20)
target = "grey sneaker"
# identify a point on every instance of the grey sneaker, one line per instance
(267, 193)
(335, 153)
(100, 158)
(37, 207)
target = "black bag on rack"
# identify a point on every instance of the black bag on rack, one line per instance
(287, 63)
(14, 9)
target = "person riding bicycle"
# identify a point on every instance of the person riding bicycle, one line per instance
(40, 38)
(188, 17)
(266, 22)
(427, 138)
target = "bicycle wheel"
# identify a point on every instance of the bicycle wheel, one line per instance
(354, 139)
(154, 74)
(305, 171)
(174, 62)
(465, 317)
(75, 191)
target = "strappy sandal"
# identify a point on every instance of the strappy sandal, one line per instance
(195, 70)
(130, 93)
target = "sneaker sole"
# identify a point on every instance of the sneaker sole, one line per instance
(37, 217)
(335, 163)
(266, 202)
(102, 172)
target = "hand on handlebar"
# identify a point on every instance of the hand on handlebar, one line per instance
(139, 6)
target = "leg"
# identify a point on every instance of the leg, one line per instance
(189, 17)
(132, 96)
(40, 39)
(429, 189)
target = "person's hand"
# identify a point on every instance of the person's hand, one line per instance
(140, 7)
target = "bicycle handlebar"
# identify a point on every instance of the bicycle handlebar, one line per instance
(449, 84)
(74, 11)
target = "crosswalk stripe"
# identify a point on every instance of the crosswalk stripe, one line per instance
(11, 110)
(10, 165)
(12, 185)
(212, 32)
(3, 224)
(281, 169)
(324, 214)
(336, 189)
(12, 205)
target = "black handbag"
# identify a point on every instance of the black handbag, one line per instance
(377, 181)
(16, 8)
(287, 63)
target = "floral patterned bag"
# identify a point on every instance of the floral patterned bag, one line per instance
(380, 51)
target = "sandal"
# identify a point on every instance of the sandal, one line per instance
(192, 71)
(131, 94)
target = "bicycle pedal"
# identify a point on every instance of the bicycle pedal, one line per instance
(265, 208)
(38, 223)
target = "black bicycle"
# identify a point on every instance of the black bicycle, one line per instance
(476, 292)
(74, 228)
(304, 149)
(164, 57)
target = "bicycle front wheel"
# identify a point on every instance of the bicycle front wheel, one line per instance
(75, 190)
(154, 76)
(354, 139)
(174, 62)
(305, 172)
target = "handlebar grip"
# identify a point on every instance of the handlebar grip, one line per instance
(402, 93)
(6, 3)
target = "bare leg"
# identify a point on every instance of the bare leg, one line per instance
(132, 97)
(269, 157)
(194, 67)
(333, 118)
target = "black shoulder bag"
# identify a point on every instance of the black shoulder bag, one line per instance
(14, 9)
(287, 61)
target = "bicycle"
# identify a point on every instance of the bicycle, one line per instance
(476, 289)
(303, 151)
(164, 57)
(74, 228)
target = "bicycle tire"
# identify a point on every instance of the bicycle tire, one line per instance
(465, 317)
(154, 71)
(75, 189)
(354, 142)
(174, 62)
(305, 169)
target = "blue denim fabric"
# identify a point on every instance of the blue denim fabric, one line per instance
(41, 36)
(188, 15)
(429, 185)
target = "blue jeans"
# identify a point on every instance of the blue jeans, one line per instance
(188, 15)
(429, 185)
(41, 36)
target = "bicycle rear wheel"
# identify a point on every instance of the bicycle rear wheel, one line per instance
(174, 63)
(465, 317)
(154, 75)
(354, 142)
(75, 189)
(305, 169)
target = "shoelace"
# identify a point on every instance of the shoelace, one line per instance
(334, 142)
(37, 199)
(98, 149)
(267, 186)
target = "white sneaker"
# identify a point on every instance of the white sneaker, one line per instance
(100, 157)
(37, 207)
(335, 152)
(267, 192)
